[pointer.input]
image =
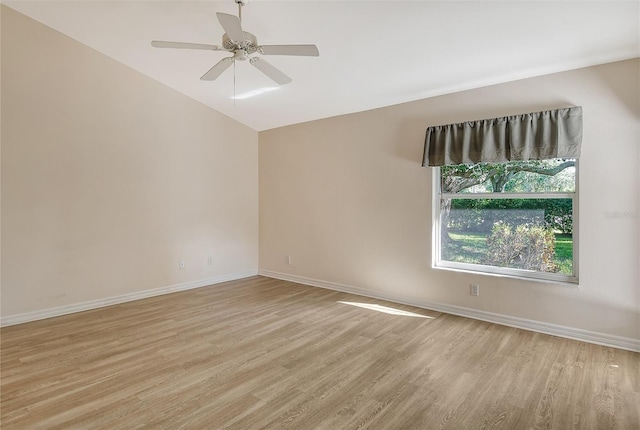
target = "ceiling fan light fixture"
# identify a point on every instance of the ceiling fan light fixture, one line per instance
(240, 55)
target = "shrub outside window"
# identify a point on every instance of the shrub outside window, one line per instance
(516, 218)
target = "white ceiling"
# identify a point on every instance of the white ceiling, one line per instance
(372, 53)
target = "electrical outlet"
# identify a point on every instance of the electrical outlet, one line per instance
(288, 260)
(181, 264)
(474, 289)
(210, 260)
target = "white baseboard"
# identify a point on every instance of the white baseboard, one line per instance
(605, 339)
(108, 301)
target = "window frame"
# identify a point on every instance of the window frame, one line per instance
(528, 275)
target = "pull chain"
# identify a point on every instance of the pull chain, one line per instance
(234, 61)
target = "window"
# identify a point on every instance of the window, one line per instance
(517, 218)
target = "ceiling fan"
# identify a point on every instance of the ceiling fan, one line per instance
(242, 44)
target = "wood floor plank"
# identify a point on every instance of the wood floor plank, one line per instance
(263, 353)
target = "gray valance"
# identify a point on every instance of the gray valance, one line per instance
(533, 136)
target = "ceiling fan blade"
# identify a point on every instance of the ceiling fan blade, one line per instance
(304, 50)
(183, 45)
(231, 26)
(270, 71)
(217, 70)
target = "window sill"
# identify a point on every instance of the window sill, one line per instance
(522, 275)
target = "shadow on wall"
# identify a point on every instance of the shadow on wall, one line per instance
(618, 324)
(617, 85)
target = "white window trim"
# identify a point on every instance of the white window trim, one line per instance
(529, 275)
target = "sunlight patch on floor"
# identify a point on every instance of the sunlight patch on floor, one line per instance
(385, 309)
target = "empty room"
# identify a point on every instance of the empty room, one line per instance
(320, 214)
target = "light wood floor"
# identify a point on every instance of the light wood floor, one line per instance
(262, 353)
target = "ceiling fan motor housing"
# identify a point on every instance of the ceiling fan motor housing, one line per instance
(250, 43)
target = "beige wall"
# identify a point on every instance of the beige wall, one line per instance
(347, 199)
(109, 178)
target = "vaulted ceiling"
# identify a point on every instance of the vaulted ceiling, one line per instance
(372, 53)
